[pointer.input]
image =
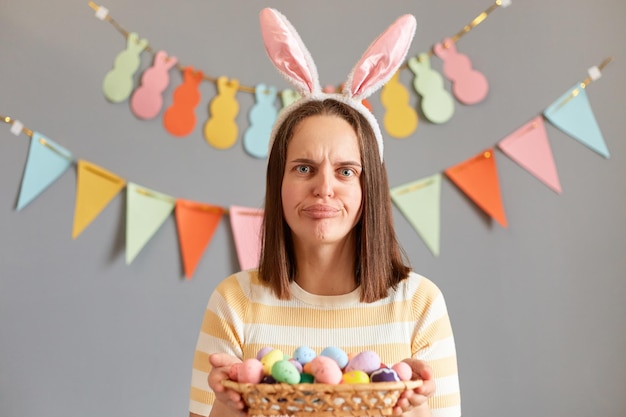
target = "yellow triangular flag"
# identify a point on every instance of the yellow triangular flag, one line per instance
(95, 188)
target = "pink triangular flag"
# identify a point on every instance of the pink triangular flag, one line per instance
(529, 147)
(246, 224)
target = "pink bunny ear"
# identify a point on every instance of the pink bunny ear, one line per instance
(382, 59)
(288, 53)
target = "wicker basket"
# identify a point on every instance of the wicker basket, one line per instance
(321, 400)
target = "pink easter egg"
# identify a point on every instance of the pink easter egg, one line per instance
(325, 370)
(403, 370)
(251, 371)
(233, 371)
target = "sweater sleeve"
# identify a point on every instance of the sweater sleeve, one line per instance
(220, 332)
(434, 343)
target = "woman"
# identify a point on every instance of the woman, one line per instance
(331, 271)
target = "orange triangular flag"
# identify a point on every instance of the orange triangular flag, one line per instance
(478, 178)
(95, 188)
(196, 223)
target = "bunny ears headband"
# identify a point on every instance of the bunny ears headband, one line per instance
(377, 65)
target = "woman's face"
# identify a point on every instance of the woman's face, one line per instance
(321, 191)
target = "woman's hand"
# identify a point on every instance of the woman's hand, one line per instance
(228, 402)
(416, 400)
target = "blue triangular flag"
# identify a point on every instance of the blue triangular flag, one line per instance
(573, 115)
(46, 162)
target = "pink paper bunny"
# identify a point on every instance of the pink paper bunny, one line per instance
(147, 100)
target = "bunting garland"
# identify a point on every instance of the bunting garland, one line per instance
(528, 146)
(418, 200)
(146, 209)
(469, 86)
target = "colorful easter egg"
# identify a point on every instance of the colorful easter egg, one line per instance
(304, 354)
(263, 351)
(355, 377)
(233, 371)
(270, 359)
(367, 361)
(384, 375)
(297, 364)
(325, 370)
(337, 354)
(268, 379)
(306, 378)
(403, 370)
(285, 371)
(251, 371)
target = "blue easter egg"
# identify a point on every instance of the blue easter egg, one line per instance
(304, 354)
(337, 354)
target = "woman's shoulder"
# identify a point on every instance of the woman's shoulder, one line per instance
(243, 283)
(416, 285)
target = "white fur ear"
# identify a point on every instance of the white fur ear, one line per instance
(288, 53)
(382, 59)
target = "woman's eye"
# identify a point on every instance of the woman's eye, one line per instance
(346, 172)
(303, 169)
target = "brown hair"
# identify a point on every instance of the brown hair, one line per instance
(380, 262)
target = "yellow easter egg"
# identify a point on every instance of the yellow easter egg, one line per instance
(270, 359)
(355, 377)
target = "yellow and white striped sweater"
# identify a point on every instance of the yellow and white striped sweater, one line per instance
(243, 316)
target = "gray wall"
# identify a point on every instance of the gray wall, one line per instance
(537, 308)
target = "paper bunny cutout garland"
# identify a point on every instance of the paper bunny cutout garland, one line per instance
(377, 65)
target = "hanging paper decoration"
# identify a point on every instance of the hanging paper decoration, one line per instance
(288, 96)
(46, 162)
(529, 147)
(478, 178)
(400, 118)
(262, 117)
(146, 210)
(437, 103)
(468, 85)
(246, 224)
(419, 202)
(118, 83)
(221, 129)
(196, 223)
(573, 115)
(147, 100)
(95, 188)
(180, 118)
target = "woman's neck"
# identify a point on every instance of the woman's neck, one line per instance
(326, 269)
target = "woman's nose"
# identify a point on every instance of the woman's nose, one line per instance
(324, 183)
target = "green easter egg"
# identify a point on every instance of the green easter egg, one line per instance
(306, 378)
(285, 371)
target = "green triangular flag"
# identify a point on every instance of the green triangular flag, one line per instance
(146, 210)
(419, 202)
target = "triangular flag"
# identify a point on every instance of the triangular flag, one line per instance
(95, 188)
(573, 115)
(46, 162)
(478, 178)
(196, 224)
(529, 147)
(419, 202)
(146, 210)
(246, 224)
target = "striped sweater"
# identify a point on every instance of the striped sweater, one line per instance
(243, 316)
